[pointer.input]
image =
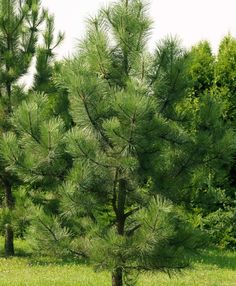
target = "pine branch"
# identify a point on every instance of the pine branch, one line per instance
(93, 122)
(92, 160)
(131, 231)
(79, 253)
(185, 164)
(19, 23)
(114, 195)
(49, 229)
(131, 212)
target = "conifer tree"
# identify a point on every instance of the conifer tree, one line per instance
(190, 103)
(115, 123)
(208, 83)
(19, 22)
(225, 71)
(209, 92)
(20, 25)
(201, 68)
(225, 74)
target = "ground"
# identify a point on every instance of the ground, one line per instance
(211, 268)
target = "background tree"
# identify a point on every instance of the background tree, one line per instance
(201, 68)
(47, 66)
(225, 71)
(212, 197)
(225, 75)
(19, 22)
(188, 99)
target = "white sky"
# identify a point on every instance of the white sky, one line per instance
(191, 20)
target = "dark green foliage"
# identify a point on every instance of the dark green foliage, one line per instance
(225, 74)
(221, 228)
(19, 26)
(45, 56)
(225, 71)
(201, 67)
(214, 212)
(168, 77)
(195, 139)
(41, 133)
(213, 75)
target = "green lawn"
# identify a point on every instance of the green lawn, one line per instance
(214, 268)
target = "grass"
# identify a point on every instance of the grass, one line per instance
(212, 268)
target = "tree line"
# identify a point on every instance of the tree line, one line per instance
(117, 155)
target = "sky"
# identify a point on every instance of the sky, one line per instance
(191, 20)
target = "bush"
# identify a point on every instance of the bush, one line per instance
(215, 213)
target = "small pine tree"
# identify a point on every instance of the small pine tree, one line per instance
(104, 198)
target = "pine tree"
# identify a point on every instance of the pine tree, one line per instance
(19, 22)
(108, 204)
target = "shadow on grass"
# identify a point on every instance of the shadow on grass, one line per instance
(219, 258)
(47, 260)
(34, 260)
(211, 257)
(22, 248)
(18, 253)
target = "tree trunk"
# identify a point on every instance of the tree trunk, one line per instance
(9, 235)
(120, 201)
(117, 277)
(9, 241)
(8, 88)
